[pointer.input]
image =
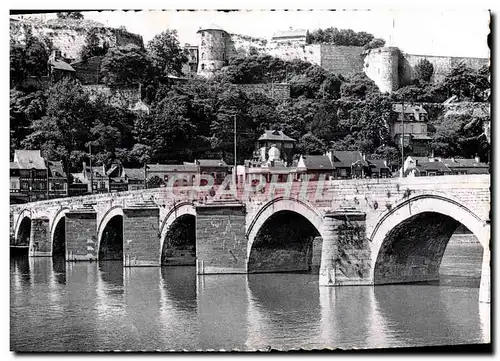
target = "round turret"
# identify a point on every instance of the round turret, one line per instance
(212, 52)
(273, 153)
(382, 66)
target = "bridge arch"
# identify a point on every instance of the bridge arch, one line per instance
(409, 240)
(181, 212)
(25, 213)
(55, 224)
(116, 211)
(300, 215)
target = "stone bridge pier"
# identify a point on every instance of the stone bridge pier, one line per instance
(352, 232)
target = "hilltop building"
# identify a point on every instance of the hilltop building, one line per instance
(388, 67)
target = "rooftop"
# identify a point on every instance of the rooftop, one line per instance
(317, 162)
(345, 158)
(211, 163)
(171, 168)
(28, 159)
(133, 173)
(61, 65)
(276, 135)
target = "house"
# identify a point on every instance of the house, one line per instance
(409, 122)
(280, 140)
(115, 180)
(379, 168)
(134, 177)
(58, 68)
(58, 182)
(349, 164)
(96, 175)
(466, 166)
(315, 166)
(424, 166)
(217, 168)
(299, 36)
(161, 175)
(28, 177)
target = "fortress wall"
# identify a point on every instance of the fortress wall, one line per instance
(288, 52)
(342, 59)
(442, 65)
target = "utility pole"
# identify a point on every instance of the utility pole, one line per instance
(48, 182)
(235, 175)
(91, 171)
(403, 138)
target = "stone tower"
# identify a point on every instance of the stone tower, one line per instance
(213, 52)
(382, 66)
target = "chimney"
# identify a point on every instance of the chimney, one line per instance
(330, 155)
(364, 156)
(453, 159)
(477, 159)
(84, 170)
(385, 163)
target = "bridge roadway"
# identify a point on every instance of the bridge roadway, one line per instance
(351, 232)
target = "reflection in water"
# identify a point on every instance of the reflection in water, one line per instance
(222, 311)
(86, 306)
(287, 307)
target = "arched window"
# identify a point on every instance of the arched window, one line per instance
(202, 33)
(202, 56)
(202, 66)
(203, 43)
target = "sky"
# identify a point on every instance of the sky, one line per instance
(417, 31)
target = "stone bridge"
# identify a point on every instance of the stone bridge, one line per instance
(350, 232)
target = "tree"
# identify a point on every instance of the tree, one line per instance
(310, 144)
(155, 182)
(340, 37)
(93, 46)
(65, 129)
(70, 15)
(29, 58)
(126, 66)
(359, 86)
(330, 88)
(166, 55)
(424, 70)
(375, 43)
(467, 83)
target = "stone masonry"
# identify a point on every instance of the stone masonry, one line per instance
(392, 230)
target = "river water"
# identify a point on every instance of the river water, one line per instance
(58, 306)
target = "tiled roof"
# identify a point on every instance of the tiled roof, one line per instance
(377, 164)
(61, 65)
(463, 163)
(211, 163)
(171, 168)
(317, 162)
(345, 158)
(28, 159)
(276, 135)
(291, 33)
(56, 169)
(133, 173)
(432, 166)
